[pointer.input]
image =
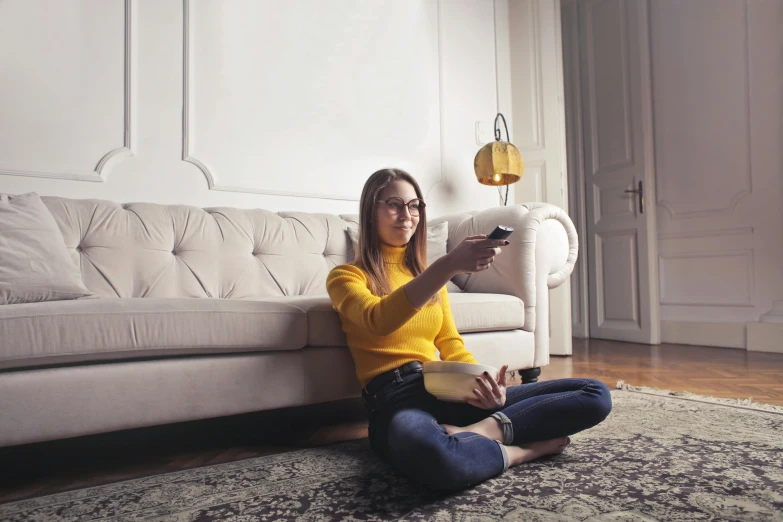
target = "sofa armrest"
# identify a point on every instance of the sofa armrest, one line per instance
(542, 253)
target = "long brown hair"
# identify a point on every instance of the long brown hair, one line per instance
(368, 255)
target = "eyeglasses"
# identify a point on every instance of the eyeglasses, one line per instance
(395, 204)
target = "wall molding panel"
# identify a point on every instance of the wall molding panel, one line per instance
(705, 333)
(700, 271)
(97, 173)
(741, 231)
(212, 172)
(667, 191)
(187, 130)
(728, 210)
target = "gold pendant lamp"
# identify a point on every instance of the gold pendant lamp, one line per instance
(499, 163)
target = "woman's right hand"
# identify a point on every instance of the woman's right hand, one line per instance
(474, 254)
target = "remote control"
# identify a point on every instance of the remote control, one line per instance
(500, 232)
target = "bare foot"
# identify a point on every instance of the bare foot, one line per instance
(488, 427)
(491, 429)
(535, 450)
(453, 429)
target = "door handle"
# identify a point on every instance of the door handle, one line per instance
(641, 196)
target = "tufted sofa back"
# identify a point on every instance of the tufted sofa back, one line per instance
(150, 250)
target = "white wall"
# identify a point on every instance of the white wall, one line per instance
(284, 105)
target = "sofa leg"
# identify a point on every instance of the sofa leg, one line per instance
(529, 375)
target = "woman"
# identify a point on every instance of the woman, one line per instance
(395, 313)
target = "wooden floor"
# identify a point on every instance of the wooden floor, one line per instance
(51, 467)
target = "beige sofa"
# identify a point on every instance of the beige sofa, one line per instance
(201, 313)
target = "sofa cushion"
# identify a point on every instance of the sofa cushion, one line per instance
(471, 312)
(486, 312)
(174, 251)
(56, 332)
(324, 327)
(41, 334)
(34, 261)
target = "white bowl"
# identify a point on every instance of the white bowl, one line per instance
(453, 381)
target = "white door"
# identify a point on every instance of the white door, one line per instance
(619, 188)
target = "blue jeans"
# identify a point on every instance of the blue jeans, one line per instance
(406, 432)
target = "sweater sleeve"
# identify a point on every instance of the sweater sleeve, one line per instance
(347, 288)
(448, 341)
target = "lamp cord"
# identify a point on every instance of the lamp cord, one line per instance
(497, 128)
(500, 193)
(497, 138)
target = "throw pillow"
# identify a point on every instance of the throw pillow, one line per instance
(34, 261)
(437, 235)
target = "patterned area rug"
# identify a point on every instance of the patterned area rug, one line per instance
(659, 456)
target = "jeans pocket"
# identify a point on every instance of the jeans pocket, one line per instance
(374, 401)
(370, 403)
(395, 392)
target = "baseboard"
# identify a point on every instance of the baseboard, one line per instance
(724, 335)
(765, 337)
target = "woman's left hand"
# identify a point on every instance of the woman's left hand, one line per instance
(490, 394)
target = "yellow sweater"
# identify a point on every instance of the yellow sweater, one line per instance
(384, 333)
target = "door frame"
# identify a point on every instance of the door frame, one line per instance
(572, 106)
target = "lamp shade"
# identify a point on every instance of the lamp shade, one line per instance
(498, 163)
